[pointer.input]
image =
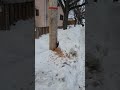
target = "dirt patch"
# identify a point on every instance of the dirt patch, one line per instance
(59, 52)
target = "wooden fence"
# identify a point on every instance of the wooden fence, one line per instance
(11, 13)
(40, 31)
(44, 30)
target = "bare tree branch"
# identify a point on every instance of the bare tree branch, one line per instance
(64, 1)
(77, 6)
(68, 5)
(73, 3)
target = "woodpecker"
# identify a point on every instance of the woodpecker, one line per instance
(57, 44)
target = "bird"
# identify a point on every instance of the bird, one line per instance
(57, 44)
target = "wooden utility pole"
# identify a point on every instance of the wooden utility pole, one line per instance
(53, 19)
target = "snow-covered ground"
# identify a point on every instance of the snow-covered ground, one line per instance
(64, 71)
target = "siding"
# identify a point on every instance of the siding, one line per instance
(40, 20)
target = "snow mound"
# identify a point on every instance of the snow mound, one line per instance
(61, 73)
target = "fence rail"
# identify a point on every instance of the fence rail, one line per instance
(11, 13)
(40, 31)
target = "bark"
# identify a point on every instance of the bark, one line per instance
(65, 21)
(53, 25)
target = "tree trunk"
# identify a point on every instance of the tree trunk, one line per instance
(66, 12)
(53, 13)
(65, 21)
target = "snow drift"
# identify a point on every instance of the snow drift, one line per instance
(66, 72)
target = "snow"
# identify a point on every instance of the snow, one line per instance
(53, 72)
(71, 15)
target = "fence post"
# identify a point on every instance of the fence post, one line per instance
(3, 17)
(1, 10)
(6, 17)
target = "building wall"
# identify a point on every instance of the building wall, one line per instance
(60, 12)
(42, 19)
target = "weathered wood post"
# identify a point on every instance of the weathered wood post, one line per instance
(12, 14)
(53, 13)
(1, 16)
(6, 17)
